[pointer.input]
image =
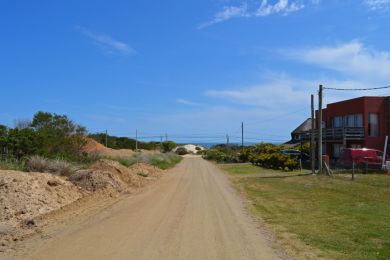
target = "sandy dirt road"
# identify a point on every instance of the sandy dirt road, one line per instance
(191, 213)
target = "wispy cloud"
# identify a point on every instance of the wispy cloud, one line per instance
(352, 59)
(377, 4)
(356, 66)
(186, 102)
(282, 7)
(107, 42)
(228, 12)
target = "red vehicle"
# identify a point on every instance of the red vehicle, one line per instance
(362, 157)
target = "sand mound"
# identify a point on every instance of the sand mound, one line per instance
(92, 146)
(93, 180)
(122, 172)
(190, 148)
(24, 196)
(146, 169)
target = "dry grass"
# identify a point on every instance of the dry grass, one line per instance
(57, 166)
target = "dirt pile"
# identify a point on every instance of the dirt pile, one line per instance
(94, 180)
(25, 196)
(114, 177)
(137, 175)
(94, 147)
(146, 170)
(27, 200)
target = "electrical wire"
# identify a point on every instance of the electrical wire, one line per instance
(356, 89)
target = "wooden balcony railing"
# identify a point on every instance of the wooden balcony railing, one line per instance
(337, 134)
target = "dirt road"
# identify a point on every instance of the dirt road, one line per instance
(191, 213)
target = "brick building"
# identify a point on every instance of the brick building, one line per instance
(361, 122)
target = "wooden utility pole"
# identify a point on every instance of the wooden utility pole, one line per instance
(319, 123)
(227, 140)
(136, 139)
(106, 138)
(312, 139)
(166, 137)
(242, 135)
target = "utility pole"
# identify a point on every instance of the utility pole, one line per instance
(320, 92)
(166, 137)
(161, 141)
(136, 140)
(242, 135)
(106, 138)
(227, 140)
(312, 140)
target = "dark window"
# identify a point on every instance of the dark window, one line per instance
(373, 124)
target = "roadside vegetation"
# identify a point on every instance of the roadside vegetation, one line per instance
(55, 144)
(264, 155)
(340, 218)
(163, 161)
(115, 142)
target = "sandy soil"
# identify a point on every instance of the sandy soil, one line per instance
(93, 146)
(191, 213)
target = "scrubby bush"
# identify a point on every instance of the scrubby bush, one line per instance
(37, 164)
(168, 146)
(62, 168)
(56, 166)
(215, 155)
(164, 161)
(115, 142)
(274, 161)
(181, 151)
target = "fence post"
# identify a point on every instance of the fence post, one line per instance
(366, 167)
(353, 170)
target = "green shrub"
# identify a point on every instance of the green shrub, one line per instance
(168, 146)
(165, 161)
(274, 161)
(215, 155)
(181, 151)
(48, 135)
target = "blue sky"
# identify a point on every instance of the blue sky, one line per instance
(192, 69)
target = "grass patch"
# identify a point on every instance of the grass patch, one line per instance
(246, 169)
(162, 161)
(165, 161)
(142, 174)
(343, 219)
(12, 164)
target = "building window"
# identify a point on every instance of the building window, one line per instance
(358, 120)
(373, 124)
(336, 150)
(348, 121)
(338, 122)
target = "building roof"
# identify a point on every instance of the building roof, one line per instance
(304, 127)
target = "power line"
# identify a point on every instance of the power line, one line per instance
(356, 89)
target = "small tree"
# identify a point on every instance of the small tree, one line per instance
(168, 146)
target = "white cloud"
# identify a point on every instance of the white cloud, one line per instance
(283, 7)
(377, 4)
(269, 95)
(107, 41)
(187, 102)
(227, 13)
(352, 59)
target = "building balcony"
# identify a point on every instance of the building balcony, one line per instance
(337, 134)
